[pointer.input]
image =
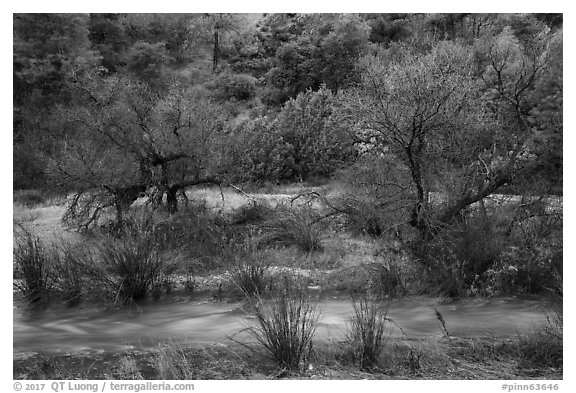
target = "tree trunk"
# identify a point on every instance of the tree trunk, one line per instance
(172, 199)
(216, 53)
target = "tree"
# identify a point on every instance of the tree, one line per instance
(325, 52)
(44, 47)
(459, 135)
(128, 140)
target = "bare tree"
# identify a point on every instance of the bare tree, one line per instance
(462, 126)
(128, 139)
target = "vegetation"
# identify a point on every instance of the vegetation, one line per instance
(272, 155)
(367, 333)
(285, 327)
(34, 269)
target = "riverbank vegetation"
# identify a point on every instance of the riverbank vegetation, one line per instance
(277, 159)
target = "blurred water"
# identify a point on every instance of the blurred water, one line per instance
(185, 321)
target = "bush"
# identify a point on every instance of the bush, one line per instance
(366, 335)
(376, 195)
(285, 328)
(293, 227)
(250, 274)
(542, 348)
(135, 263)
(532, 257)
(72, 273)
(193, 232)
(456, 260)
(237, 86)
(386, 279)
(361, 217)
(251, 213)
(29, 198)
(34, 268)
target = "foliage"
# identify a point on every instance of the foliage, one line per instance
(251, 213)
(34, 268)
(171, 363)
(298, 227)
(234, 86)
(366, 335)
(323, 53)
(72, 274)
(285, 328)
(250, 273)
(146, 61)
(130, 139)
(135, 264)
(29, 198)
(304, 140)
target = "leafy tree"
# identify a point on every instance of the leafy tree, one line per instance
(106, 34)
(148, 61)
(45, 45)
(305, 139)
(324, 53)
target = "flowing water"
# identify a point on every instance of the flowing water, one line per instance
(185, 321)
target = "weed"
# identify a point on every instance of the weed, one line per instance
(386, 279)
(71, 273)
(136, 264)
(29, 198)
(285, 328)
(293, 227)
(127, 369)
(34, 265)
(171, 362)
(366, 334)
(252, 213)
(250, 274)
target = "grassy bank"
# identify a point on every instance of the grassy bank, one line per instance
(444, 358)
(282, 245)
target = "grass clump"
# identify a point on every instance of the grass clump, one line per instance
(135, 263)
(251, 213)
(34, 268)
(544, 347)
(366, 334)
(285, 326)
(171, 363)
(250, 273)
(72, 273)
(29, 198)
(293, 227)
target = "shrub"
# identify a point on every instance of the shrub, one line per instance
(237, 86)
(361, 217)
(251, 213)
(193, 232)
(293, 227)
(542, 348)
(34, 268)
(29, 198)
(456, 259)
(135, 263)
(376, 195)
(72, 273)
(366, 335)
(250, 274)
(285, 328)
(386, 279)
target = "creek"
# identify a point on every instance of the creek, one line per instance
(186, 321)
